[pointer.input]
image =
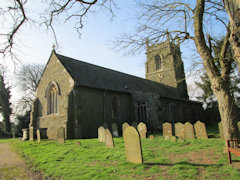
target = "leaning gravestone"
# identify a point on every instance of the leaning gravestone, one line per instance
(61, 135)
(115, 129)
(108, 139)
(38, 135)
(132, 145)
(220, 128)
(124, 126)
(167, 129)
(188, 131)
(134, 124)
(25, 135)
(142, 129)
(101, 134)
(179, 130)
(31, 133)
(200, 130)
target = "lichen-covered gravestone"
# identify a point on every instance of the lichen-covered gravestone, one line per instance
(61, 135)
(31, 133)
(179, 130)
(38, 135)
(188, 131)
(220, 128)
(132, 143)
(142, 129)
(124, 126)
(115, 129)
(200, 130)
(167, 129)
(108, 139)
(101, 134)
(25, 134)
(134, 124)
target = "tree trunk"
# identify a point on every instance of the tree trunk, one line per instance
(219, 82)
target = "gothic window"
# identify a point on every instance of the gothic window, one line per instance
(115, 112)
(52, 98)
(142, 112)
(158, 62)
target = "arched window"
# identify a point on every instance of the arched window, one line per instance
(115, 112)
(158, 62)
(52, 98)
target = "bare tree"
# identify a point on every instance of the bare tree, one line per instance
(14, 14)
(233, 9)
(184, 21)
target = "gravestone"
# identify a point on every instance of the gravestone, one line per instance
(124, 126)
(108, 139)
(132, 143)
(13, 134)
(188, 131)
(151, 137)
(101, 134)
(115, 129)
(61, 135)
(25, 134)
(179, 130)
(38, 135)
(31, 133)
(173, 138)
(200, 130)
(134, 124)
(167, 129)
(220, 128)
(142, 129)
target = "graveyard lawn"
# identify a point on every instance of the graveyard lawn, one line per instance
(193, 159)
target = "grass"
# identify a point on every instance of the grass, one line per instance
(196, 159)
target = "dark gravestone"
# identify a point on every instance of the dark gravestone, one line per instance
(101, 134)
(108, 139)
(179, 130)
(142, 129)
(200, 130)
(115, 129)
(188, 131)
(220, 128)
(61, 135)
(132, 145)
(167, 129)
(124, 126)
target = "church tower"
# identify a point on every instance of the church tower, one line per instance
(164, 65)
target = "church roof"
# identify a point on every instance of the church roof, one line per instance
(85, 74)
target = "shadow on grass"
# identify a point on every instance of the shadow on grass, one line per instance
(183, 163)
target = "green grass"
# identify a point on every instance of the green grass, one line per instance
(7, 140)
(162, 159)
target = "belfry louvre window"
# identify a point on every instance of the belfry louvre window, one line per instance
(52, 99)
(115, 112)
(142, 112)
(158, 62)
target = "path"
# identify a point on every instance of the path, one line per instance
(12, 167)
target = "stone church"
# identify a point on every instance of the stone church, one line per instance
(81, 97)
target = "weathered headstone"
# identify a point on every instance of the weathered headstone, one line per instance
(180, 139)
(25, 134)
(188, 131)
(38, 135)
(200, 130)
(108, 139)
(173, 138)
(179, 130)
(167, 138)
(220, 128)
(134, 124)
(31, 133)
(151, 137)
(124, 126)
(61, 135)
(101, 134)
(142, 129)
(132, 145)
(167, 129)
(115, 129)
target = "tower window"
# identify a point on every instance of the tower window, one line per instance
(158, 62)
(115, 112)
